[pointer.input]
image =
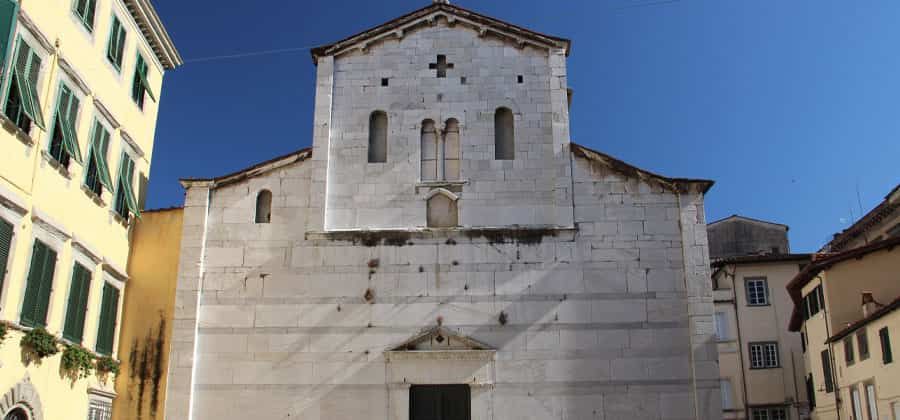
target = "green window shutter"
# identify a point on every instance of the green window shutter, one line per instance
(9, 10)
(40, 283)
(142, 71)
(126, 195)
(99, 147)
(77, 307)
(66, 113)
(27, 69)
(85, 10)
(116, 45)
(108, 311)
(6, 236)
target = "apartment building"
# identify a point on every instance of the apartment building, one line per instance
(81, 81)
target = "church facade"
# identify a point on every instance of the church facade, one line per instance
(443, 251)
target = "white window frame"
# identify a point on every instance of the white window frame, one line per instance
(38, 47)
(765, 290)
(97, 397)
(856, 403)
(75, 88)
(727, 393)
(721, 324)
(759, 354)
(120, 285)
(871, 400)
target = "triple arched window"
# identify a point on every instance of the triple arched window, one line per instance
(378, 133)
(440, 151)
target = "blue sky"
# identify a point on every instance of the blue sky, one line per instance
(791, 106)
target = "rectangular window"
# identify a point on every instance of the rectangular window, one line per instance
(141, 84)
(848, 351)
(725, 387)
(886, 354)
(856, 403)
(100, 409)
(811, 392)
(125, 201)
(63, 138)
(77, 306)
(115, 49)
(440, 402)
(826, 371)
(775, 413)
(764, 355)
(813, 303)
(871, 402)
(862, 343)
(803, 342)
(97, 175)
(757, 292)
(721, 324)
(109, 309)
(84, 10)
(23, 104)
(40, 283)
(6, 237)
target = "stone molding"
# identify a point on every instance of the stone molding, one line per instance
(23, 395)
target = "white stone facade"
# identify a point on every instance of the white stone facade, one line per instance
(587, 278)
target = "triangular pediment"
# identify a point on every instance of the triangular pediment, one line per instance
(440, 339)
(443, 13)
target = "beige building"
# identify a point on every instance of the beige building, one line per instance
(845, 310)
(881, 223)
(760, 361)
(79, 89)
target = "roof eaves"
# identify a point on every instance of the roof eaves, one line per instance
(155, 32)
(675, 184)
(737, 216)
(878, 314)
(760, 259)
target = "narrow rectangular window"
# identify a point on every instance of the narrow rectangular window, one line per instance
(6, 237)
(23, 105)
(725, 387)
(848, 351)
(862, 343)
(856, 403)
(109, 309)
(772, 358)
(140, 85)
(125, 200)
(826, 371)
(886, 355)
(803, 342)
(871, 402)
(63, 135)
(115, 48)
(757, 292)
(811, 392)
(38, 287)
(84, 11)
(77, 305)
(721, 324)
(9, 12)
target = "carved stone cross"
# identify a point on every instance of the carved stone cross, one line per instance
(441, 66)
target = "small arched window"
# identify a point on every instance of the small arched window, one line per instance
(451, 150)
(441, 210)
(264, 207)
(504, 135)
(378, 130)
(429, 151)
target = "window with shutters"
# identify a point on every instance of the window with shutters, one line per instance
(811, 392)
(38, 286)
(84, 10)
(9, 12)
(97, 174)
(109, 310)
(378, 137)
(504, 135)
(76, 308)
(140, 85)
(264, 207)
(63, 135)
(23, 104)
(848, 351)
(6, 238)
(125, 203)
(115, 48)
(440, 402)
(887, 355)
(757, 291)
(862, 343)
(826, 372)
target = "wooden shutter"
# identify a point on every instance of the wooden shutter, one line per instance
(6, 236)
(66, 112)
(9, 10)
(40, 283)
(27, 69)
(77, 306)
(108, 311)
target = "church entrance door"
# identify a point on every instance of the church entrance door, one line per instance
(440, 402)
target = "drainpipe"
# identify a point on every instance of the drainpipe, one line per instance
(737, 320)
(834, 379)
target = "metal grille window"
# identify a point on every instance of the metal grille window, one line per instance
(100, 410)
(764, 355)
(757, 292)
(769, 414)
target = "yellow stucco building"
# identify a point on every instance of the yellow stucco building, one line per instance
(846, 311)
(78, 107)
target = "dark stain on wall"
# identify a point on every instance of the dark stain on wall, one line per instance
(145, 361)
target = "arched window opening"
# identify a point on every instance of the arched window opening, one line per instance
(264, 207)
(378, 129)
(451, 150)
(16, 414)
(429, 151)
(504, 135)
(442, 211)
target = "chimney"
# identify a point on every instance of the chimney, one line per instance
(869, 306)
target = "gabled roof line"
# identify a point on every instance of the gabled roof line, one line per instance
(737, 216)
(674, 184)
(255, 170)
(396, 28)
